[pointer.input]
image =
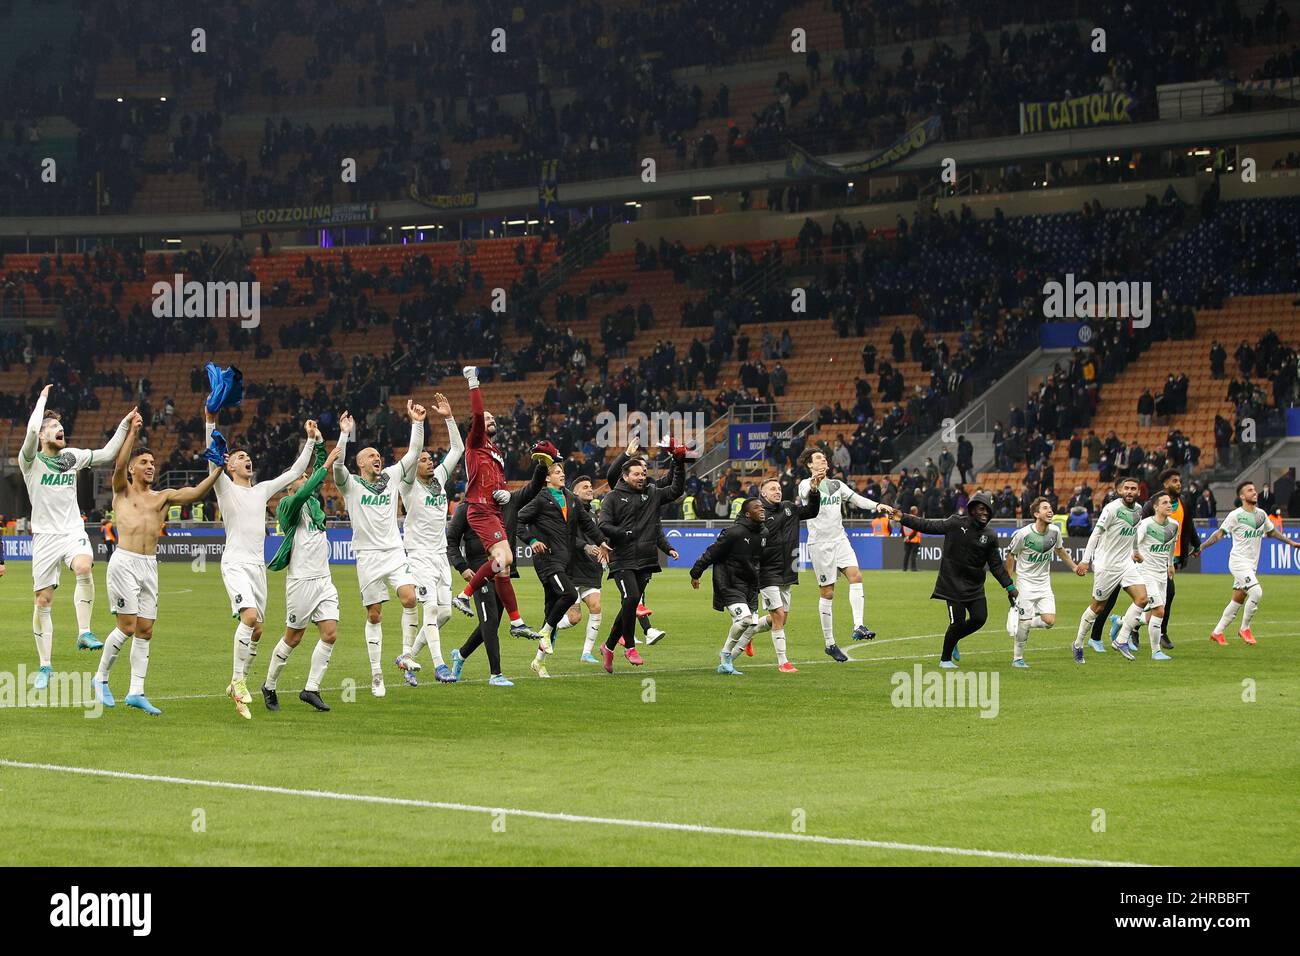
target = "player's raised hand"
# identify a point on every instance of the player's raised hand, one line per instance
(313, 431)
(332, 457)
(632, 448)
(136, 422)
(346, 423)
(415, 411)
(45, 392)
(441, 405)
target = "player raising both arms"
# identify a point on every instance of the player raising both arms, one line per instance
(830, 551)
(1029, 563)
(1247, 526)
(778, 572)
(133, 569)
(485, 492)
(49, 469)
(309, 593)
(424, 498)
(1152, 548)
(243, 559)
(1109, 554)
(371, 499)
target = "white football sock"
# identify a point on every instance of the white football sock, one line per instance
(112, 647)
(279, 657)
(1157, 625)
(825, 608)
(778, 644)
(252, 656)
(1131, 621)
(1085, 625)
(375, 646)
(1252, 605)
(410, 625)
(1022, 638)
(565, 623)
(733, 635)
(857, 603)
(243, 641)
(83, 597)
(1229, 615)
(593, 633)
(43, 631)
(430, 635)
(320, 660)
(139, 665)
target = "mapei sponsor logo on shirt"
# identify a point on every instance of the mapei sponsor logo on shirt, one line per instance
(67, 478)
(377, 500)
(74, 909)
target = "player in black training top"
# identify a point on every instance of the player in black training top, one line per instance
(735, 557)
(969, 549)
(778, 573)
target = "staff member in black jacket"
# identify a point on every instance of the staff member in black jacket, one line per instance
(969, 548)
(735, 558)
(465, 553)
(653, 635)
(778, 573)
(557, 526)
(586, 572)
(629, 520)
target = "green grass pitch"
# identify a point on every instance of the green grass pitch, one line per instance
(1170, 757)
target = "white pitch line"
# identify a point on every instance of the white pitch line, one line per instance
(571, 817)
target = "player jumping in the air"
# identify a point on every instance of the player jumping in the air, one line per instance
(969, 548)
(1029, 563)
(371, 499)
(558, 525)
(1187, 545)
(1152, 549)
(243, 559)
(424, 498)
(133, 569)
(49, 468)
(735, 558)
(779, 569)
(1109, 554)
(309, 593)
(1247, 526)
(830, 551)
(486, 494)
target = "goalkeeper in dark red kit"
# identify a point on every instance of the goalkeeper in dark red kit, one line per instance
(485, 495)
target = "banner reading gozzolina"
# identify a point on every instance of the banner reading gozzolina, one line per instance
(319, 214)
(1095, 109)
(803, 163)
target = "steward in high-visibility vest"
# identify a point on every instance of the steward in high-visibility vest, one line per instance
(880, 527)
(174, 513)
(688, 507)
(197, 511)
(737, 503)
(911, 536)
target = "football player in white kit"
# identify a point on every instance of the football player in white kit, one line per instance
(243, 559)
(1153, 548)
(424, 499)
(49, 469)
(830, 552)
(371, 499)
(1029, 563)
(132, 576)
(309, 593)
(1247, 526)
(1110, 555)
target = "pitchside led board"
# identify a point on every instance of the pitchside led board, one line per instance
(689, 538)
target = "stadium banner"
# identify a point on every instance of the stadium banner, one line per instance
(319, 214)
(443, 201)
(801, 163)
(1077, 112)
(1064, 335)
(690, 539)
(548, 188)
(749, 441)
